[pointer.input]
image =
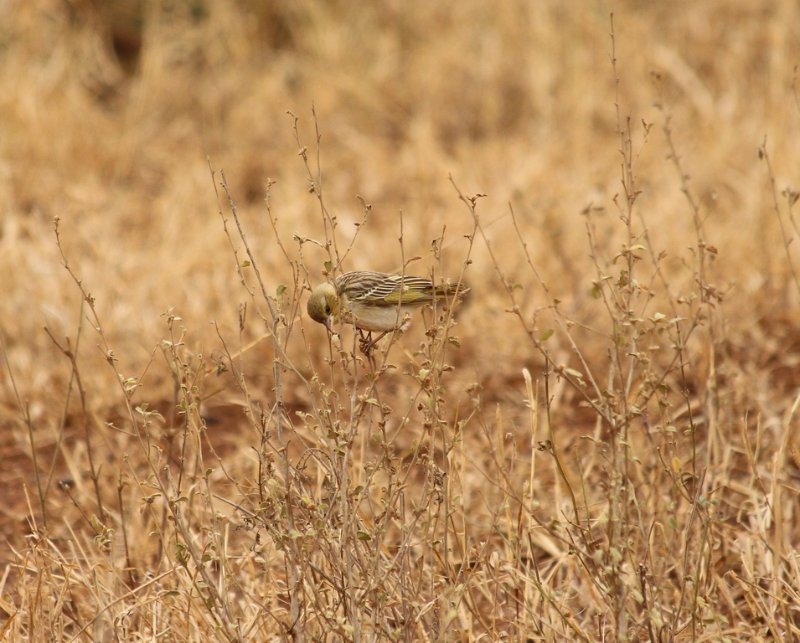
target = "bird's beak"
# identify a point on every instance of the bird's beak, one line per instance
(329, 324)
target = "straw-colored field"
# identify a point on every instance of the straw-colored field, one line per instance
(599, 443)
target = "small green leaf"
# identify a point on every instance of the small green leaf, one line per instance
(545, 334)
(281, 290)
(328, 267)
(246, 263)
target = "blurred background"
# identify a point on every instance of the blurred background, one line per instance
(112, 111)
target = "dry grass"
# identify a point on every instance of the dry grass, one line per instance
(600, 444)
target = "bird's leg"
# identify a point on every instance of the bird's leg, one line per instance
(368, 343)
(365, 341)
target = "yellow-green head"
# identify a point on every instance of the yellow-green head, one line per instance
(323, 304)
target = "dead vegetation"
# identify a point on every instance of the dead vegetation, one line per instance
(599, 444)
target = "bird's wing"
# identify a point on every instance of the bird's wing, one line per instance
(379, 289)
(409, 290)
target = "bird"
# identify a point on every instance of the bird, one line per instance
(376, 301)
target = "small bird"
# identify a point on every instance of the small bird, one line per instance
(375, 301)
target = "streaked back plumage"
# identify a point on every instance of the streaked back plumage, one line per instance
(381, 289)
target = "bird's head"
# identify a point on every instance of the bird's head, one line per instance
(323, 304)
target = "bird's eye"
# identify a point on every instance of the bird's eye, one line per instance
(327, 309)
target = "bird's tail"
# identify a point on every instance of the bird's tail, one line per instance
(448, 290)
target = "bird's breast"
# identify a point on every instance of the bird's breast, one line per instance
(379, 318)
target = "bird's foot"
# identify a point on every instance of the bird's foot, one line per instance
(367, 343)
